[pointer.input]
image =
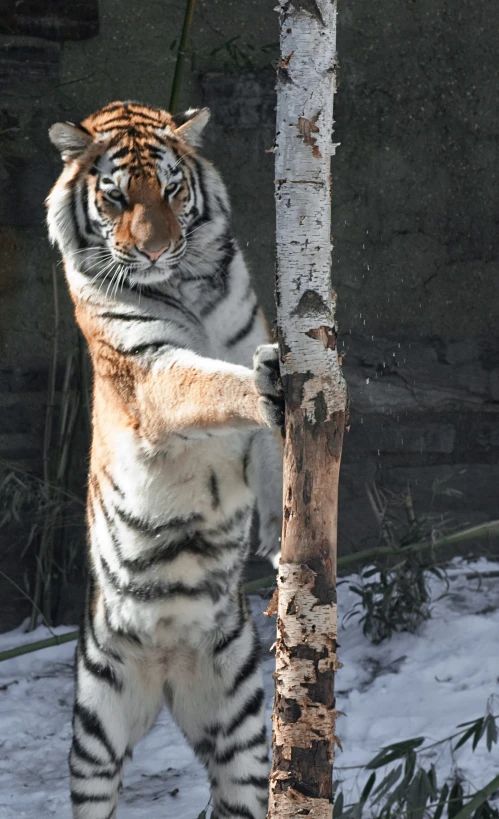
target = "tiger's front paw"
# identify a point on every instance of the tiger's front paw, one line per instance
(268, 384)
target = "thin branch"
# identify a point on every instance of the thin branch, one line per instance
(181, 53)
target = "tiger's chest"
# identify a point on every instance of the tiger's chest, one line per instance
(170, 534)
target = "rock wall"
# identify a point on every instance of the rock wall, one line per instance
(416, 210)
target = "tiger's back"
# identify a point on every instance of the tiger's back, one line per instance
(181, 448)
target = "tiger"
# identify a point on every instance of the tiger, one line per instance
(187, 417)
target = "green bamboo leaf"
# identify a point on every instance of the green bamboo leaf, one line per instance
(417, 795)
(392, 752)
(479, 732)
(338, 806)
(357, 590)
(478, 800)
(384, 786)
(368, 788)
(441, 802)
(432, 779)
(490, 731)
(455, 804)
(465, 737)
(410, 766)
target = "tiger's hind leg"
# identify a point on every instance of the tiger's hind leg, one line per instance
(217, 699)
(117, 699)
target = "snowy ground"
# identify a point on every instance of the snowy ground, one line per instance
(413, 685)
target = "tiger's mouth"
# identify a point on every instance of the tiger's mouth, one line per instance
(155, 271)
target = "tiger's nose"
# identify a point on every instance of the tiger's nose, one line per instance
(153, 254)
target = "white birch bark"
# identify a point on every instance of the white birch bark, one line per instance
(304, 713)
(304, 146)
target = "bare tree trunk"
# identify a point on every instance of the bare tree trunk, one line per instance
(315, 393)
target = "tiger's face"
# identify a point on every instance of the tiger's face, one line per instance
(130, 193)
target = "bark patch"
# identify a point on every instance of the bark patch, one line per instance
(310, 304)
(311, 7)
(293, 388)
(327, 335)
(307, 128)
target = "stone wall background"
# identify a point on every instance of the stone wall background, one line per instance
(415, 223)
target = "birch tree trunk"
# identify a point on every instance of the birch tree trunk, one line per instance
(304, 708)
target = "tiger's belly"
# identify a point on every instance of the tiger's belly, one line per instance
(169, 535)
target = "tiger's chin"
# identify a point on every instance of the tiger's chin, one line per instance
(151, 275)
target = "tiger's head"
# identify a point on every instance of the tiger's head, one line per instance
(131, 192)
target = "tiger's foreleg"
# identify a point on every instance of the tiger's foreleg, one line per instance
(219, 703)
(116, 703)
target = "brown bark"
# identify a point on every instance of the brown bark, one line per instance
(304, 709)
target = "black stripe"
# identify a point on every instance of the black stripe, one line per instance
(170, 301)
(151, 591)
(202, 186)
(146, 527)
(125, 151)
(112, 106)
(221, 276)
(244, 331)
(113, 483)
(84, 206)
(248, 668)
(194, 545)
(85, 755)
(128, 317)
(226, 641)
(93, 726)
(237, 810)
(82, 798)
(214, 490)
(103, 671)
(225, 527)
(224, 757)
(80, 239)
(148, 146)
(124, 635)
(204, 748)
(111, 526)
(152, 348)
(94, 774)
(90, 608)
(250, 709)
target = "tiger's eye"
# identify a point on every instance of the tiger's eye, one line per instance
(172, 189)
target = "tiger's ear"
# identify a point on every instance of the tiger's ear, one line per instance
(190, 125)
(70, 140)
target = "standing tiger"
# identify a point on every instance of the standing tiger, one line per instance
(186, 391)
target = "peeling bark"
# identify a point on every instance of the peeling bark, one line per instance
(304, 708)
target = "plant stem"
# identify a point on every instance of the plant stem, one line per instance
(478, 799)
(478, 532)
(56, 640)
(41, 567)
(182, 46)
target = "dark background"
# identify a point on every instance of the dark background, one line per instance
(416, 212)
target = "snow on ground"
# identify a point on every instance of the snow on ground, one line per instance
(412, 685)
